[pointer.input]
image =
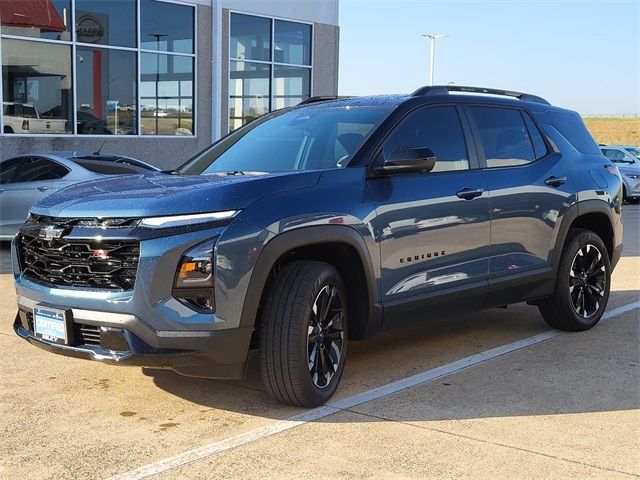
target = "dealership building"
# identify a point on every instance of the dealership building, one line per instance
(156, 79)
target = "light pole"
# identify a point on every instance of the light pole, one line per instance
(433, 39)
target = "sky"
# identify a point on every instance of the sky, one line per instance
(583, 55)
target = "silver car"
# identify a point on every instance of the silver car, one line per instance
(26, 179)
(627, 159)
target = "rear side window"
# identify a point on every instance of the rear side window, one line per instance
(39, 169)
(615, 156)
(571, 127)
(8, 170)
(437, 128)
(504, 136)
(539, 147)
(36, 170)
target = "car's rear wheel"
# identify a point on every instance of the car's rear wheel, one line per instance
(8, 129)
(303, 334)
(582, 285)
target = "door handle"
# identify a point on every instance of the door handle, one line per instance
(555, 181)
(469, 193)
(42, 189)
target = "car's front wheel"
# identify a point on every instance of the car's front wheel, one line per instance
(582, 284)
(303, 334)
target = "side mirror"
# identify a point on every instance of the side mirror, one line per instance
(408, 160)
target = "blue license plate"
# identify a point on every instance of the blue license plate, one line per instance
(50, 324)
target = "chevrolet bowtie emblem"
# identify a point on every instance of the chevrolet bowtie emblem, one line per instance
(51, 232)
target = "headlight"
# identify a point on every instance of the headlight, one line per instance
(635, 177)
(184, 220)
(193, 283)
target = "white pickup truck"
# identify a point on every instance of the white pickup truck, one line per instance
(24, 118)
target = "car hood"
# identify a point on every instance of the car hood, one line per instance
(159, 194)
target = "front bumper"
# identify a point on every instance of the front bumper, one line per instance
(149, 326)
(217, 355)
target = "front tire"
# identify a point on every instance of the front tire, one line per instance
(582, 285)
(303, 334)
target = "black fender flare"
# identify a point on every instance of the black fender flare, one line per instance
(573, 212)
(306, 236)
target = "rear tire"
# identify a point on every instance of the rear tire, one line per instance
(8, 129)
(582, 285)
(303, 334)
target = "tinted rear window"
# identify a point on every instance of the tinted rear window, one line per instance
(571, 127)
(107, 167)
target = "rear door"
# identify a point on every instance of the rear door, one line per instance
(33, 182)
(530, 192)
(8, 171)
(432, 228)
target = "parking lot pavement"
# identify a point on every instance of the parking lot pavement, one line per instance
(567, 407)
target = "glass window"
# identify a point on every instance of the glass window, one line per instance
(250, 37)
(8, 169)
(106, 22)
(292, 43)
(49, 19)
(615, 156)
(539, 147)
(58, 171)
(36, 86)
(634, 151)
(571, 127)
(165, 26)
(291, 85)
(437, 128)
(504, 136)
(35, 170)
(106, 93)
(255, 89)
(249, 92)
(301, 139)
(166, 94)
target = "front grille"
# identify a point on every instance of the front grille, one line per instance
(60, 222)
(106, 264)
(86, 334)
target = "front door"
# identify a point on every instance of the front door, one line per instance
(432, 228)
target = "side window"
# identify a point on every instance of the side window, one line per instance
(539, 147)
(616, 156)
(35, 170)
(504, 136)
(437, 128)
(9, 169)
(58, 171)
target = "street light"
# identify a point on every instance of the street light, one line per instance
(433, 39)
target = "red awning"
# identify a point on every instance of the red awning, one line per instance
(39, 14)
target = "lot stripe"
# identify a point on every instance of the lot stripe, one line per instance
(259, 433)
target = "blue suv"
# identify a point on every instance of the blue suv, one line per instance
(321, 224)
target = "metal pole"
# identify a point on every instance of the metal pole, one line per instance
(432, 39)
(433, 52)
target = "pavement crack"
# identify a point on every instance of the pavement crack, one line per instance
(503, 445)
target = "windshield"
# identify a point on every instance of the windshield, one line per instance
(634, 151)
(315, 137)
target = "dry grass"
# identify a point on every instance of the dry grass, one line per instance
(615, 130)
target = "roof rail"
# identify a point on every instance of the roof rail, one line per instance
(445, 89)
(321, 98)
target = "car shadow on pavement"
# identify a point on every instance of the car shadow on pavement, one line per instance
(594, 371)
